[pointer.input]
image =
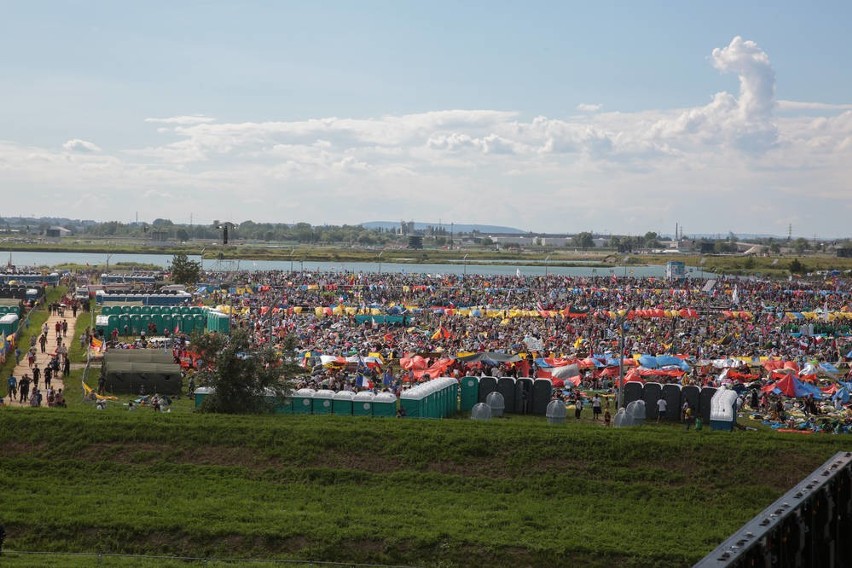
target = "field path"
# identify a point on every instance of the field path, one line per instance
(42, 359)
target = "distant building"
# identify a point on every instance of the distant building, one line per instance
(555, 242)
(57, 232)
(521, 240)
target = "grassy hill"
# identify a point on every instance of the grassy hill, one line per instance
(511, 492)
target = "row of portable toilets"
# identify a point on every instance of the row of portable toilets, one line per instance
(136, 322)
(134, 309)
(485, 397)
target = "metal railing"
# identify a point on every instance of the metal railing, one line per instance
(809, 526)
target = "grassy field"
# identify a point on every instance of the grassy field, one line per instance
(512, 492)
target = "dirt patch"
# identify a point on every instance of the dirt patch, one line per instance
(13, 449)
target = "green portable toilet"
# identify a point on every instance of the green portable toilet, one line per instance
(384, 404)
(125, 309)
(177, 322)
(451, 398)
(342, 403)
(8, 324)
(112, 323)
(195, 310)
(135, 309)
(158, 321)
(323, 401)
(200, 321)
(362, 403)
(168, 322)
(105, 311)
(155, 309)
(185, 310)
(412, 400)
(200, 394)
(146, 319)
(303, 401)
(135, 324)
(186, 324)
(124, 324)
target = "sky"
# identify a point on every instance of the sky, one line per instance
(612, 117)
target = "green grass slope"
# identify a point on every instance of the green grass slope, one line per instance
(512, 492)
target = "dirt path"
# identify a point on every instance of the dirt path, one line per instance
(42, 359)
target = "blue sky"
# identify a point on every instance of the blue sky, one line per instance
(552, 116)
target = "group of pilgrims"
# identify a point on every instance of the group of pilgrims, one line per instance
(380, 330)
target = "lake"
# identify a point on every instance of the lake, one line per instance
(24, 259)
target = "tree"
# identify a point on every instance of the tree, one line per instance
(583, 240)
(185, 271)
(244, 380)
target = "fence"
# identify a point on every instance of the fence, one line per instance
(810, 525)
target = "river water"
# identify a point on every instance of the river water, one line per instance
(33, 260)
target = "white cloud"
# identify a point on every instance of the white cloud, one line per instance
(711, 165)
(584, 107)
(182, 120)
(77, 145)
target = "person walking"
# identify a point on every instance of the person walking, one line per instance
(596, 407)
(661, 409)
(578, 407)
(37, 376)
(12, 385)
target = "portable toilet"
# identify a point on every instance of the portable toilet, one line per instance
(691, 394)
(495, 401)
(342, 403)
(323, 401)
(672, 394)
(506, 387)
(556, 412)
(124, 327)
(202, 393)
(454, 396)
(487, 385)
(200, 322)
(723, 409)
(469, 393)
(362, 403)
(524, 395)
(704, 403)
(542, 394)
(632, 391)
(136, 326)
(303, 401)
(413, 401)
(652, 393)
(168, 322)
(384, 404)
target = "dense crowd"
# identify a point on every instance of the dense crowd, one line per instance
(552, 316)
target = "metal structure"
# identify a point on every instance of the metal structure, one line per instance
(811, 525)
